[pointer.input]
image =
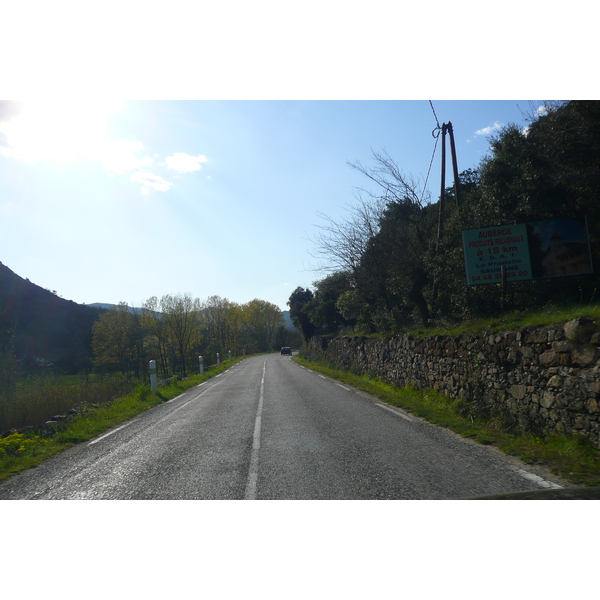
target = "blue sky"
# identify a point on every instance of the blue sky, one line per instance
(236, 127)
(111, 201)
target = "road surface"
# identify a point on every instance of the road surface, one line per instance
(268, 428)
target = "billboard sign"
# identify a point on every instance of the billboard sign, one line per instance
(552, 248)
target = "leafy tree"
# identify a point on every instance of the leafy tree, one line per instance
(394, 270)
(156, 340)
(322, 309)
(112, 338)
(263, 325)
(298, 301)
(220, 322)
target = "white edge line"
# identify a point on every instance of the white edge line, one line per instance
(180, 407)
(539, 480)
(173, 399)
(395, 412)
(107, 434)
(343, 387)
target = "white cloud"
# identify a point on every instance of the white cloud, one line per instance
(490, 129)
(151, 182)
(185, 163)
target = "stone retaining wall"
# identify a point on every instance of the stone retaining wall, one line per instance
(546, 378)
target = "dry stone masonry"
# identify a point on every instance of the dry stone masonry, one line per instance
(545, 378)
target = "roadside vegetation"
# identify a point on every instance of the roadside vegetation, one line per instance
(548, 315)
(394, 263)
(22, 450)
(573, 458)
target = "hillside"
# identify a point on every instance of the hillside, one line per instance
(42, 324)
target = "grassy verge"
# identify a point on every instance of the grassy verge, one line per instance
(507, 322)
(20, 451)
(573, 458)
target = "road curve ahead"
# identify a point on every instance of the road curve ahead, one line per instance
(268, 428)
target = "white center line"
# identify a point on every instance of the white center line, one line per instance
(253, 471)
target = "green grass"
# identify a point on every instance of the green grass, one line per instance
(20, 451)
(40, 397)
(573, 458)
(549, 315)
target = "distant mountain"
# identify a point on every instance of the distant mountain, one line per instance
(103, 306)
(288, 320)
(44, 325)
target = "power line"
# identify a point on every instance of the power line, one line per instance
(429, 170)
(436, 119)
(435, 133)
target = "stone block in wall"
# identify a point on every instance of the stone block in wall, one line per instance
(526, 351)
(580, 330)
(562, 347)
(536, 337)
(555, 382)
(584, 356)
(518, 391)
(592, 406)
(547, 399)
(592, 387)
(548, 359)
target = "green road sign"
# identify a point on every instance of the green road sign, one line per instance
(552, 248)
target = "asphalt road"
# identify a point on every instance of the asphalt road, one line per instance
(268, 428)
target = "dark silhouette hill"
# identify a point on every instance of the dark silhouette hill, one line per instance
(43, 325)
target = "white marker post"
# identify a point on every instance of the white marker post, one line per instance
(218, 360)
(230, 355)
(201, 365)
(153, 384)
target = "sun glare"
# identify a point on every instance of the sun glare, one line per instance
(60, 130)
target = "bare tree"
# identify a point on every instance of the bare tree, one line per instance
(180, 313)
(341, 244)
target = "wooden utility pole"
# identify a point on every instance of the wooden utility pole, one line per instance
(442, 188)
(454, 164)
(446, 128)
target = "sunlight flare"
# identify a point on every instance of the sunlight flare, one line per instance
(59, 130)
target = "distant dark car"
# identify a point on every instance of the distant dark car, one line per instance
(286, 350)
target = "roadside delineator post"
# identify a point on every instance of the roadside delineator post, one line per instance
(218, 359)
(201, 360)
(153, 384)
(230, 355)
